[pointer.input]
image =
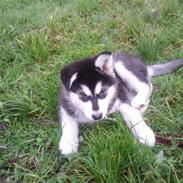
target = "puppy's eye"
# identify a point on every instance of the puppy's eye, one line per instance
(102, 94)
(84, 97)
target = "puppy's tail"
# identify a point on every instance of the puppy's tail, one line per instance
(166, 68)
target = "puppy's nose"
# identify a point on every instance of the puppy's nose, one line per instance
(97, 116)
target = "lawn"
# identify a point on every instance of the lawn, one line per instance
(38, 38)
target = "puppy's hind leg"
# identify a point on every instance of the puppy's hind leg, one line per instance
(141, 100)
(143, 90)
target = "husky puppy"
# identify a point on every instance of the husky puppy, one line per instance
(96, 87)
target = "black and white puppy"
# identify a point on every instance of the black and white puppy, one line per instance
(96, 87)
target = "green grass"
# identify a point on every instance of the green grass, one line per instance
(37, 38)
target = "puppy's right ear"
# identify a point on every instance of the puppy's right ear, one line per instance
(105, 63)
(68, 76)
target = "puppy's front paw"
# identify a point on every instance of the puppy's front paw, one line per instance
(147, 137)
(67, 147)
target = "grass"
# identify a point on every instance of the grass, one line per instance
(37, 39)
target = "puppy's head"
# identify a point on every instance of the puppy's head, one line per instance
(91, 85)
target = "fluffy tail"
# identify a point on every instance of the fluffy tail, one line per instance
(166, 68)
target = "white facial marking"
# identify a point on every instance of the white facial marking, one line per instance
(73, 78)
(86, 90)
(84, 107)
(104, 103)
(98, 88)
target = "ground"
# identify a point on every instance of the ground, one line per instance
(38, 38)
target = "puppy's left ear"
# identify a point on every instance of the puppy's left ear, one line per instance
(105, 63)
(68, 76)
